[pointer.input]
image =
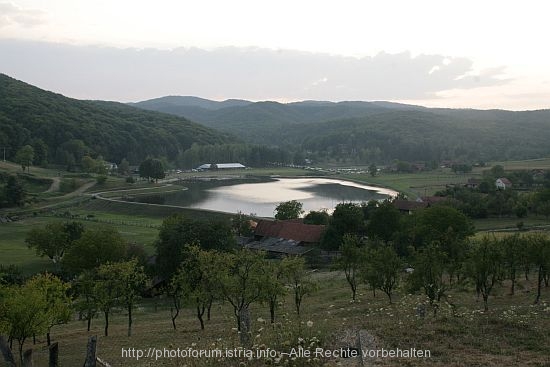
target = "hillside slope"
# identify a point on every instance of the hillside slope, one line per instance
(67, 128)
(379, 131)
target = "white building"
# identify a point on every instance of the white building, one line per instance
(503, 183)
(209, 166)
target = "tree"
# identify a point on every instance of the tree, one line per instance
(151, 169)
(107, 291)
(386, 264)
(539, 253)
(94, 248)
(14, 192)
(317, 217)
(25, 156)
(54, 239)
(23, 314)
(86, 302)
(429, 268)
(299, 279)
(179, 291)
(198, 281)
(58, 303)
(40, 152)
(289, 210)
(274, 286)
(88, 164)
(512, 249)
(128, 278)
(384, 222)
(241, 283)
(123, 167)
(350, 260)
(484, 265)
(440, 223)
(177, 231)
(346, 218)
(373, 170)
(241, 224)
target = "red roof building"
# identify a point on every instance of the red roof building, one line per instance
(290, 230)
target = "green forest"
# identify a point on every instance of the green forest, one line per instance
(63, 130)
(366, 132)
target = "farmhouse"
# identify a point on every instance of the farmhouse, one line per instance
(407, 206)
(213, 166)
(503, 183)
(286, 237)
(473, 183)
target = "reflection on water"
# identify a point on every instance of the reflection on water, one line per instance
(261, 198)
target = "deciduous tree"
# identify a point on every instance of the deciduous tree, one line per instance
(289, 210)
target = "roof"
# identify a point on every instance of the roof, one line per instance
(279, 245)
(406, 205)
(221, 165)
(505, 181)
(290, 230)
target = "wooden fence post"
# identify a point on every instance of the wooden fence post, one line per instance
(6, 352)
(27, 358)
(54, 355)
(90, 352)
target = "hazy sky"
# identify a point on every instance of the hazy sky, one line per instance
(480, 54)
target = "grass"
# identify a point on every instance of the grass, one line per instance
(512, 332)
(15, 251)
(541, 163)
(485, 224)
(412, 184)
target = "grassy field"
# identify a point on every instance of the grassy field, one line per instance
(15, 251)
(542, 163)
(412, 184)
(513, 332)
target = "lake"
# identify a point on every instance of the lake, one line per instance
(261, 198)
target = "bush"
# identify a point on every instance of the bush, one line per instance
(101, 179)
(130, 179)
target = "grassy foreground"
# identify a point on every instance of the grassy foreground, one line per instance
(514, 332)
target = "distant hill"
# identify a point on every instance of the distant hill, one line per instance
(378, 131)
(68, 128)
(256, 122)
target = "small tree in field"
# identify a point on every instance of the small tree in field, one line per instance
(25, 157)
(33, 308)
(86, 303)
(350, 260)
(23, 313)
(54, 239)
(126, 279)
(429, 268)
(197, 281)
(539, 251)
(484, 265)
(241, 282)
(274, 286)
(385, 262)
(58, 303)
(298, 279)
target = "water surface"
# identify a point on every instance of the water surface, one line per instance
(261, 198)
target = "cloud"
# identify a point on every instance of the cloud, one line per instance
(10, 14)
(231, 72)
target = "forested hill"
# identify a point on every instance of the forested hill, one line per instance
(374, 131)
(68, 128)
(258, 122)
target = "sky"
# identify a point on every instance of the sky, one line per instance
(464, 54)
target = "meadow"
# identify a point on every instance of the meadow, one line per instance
(513, 332)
